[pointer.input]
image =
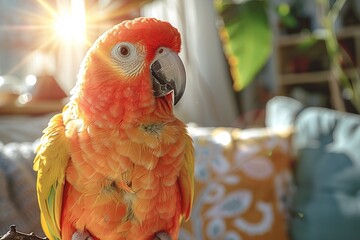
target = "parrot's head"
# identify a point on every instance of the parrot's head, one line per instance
(131, 68)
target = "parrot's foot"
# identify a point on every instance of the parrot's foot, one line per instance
(82, 236)
(162, 236)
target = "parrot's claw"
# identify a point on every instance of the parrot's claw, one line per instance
(162, 236)
(82, 236)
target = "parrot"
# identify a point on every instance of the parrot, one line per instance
(116, 163)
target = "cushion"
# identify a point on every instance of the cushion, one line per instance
(241, 181)
(327, 200)
(281, 112)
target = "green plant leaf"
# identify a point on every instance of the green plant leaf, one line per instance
(246, 36)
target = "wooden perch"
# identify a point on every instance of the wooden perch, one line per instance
(15, 235)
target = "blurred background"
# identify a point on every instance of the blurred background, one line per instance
(238, 54)
(253, 65)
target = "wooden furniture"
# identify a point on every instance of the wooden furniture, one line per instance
(303, 63)
(32, 108)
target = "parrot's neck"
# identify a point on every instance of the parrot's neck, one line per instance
(111, 109)
(164, 105)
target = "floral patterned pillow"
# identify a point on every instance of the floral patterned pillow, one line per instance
(242, 179)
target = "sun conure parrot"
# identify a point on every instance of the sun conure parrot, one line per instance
(116, 163)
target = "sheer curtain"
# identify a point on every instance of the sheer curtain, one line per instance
(209, 99)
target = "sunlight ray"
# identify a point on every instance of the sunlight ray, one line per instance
(29, 56)
(34, 16)
(24, 27)
(48, 8)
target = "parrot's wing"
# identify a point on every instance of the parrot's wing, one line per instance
(50, 163)
(186, 179)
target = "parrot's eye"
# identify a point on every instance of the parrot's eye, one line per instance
(123, 50)
(128, 57)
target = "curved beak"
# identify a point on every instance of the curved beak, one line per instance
(168, 74)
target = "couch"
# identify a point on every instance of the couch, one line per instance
(296, 179)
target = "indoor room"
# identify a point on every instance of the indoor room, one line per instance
(180, 119)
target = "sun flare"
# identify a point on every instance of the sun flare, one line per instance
(53, 25)
(70, 24)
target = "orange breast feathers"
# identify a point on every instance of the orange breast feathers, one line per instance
(127, 184)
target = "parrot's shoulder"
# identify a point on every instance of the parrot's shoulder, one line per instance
(53, 143)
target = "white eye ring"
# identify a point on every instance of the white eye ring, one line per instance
(124, 51)
(128, 58)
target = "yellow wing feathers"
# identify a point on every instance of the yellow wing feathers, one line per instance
(50, 163)
(186, 179)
